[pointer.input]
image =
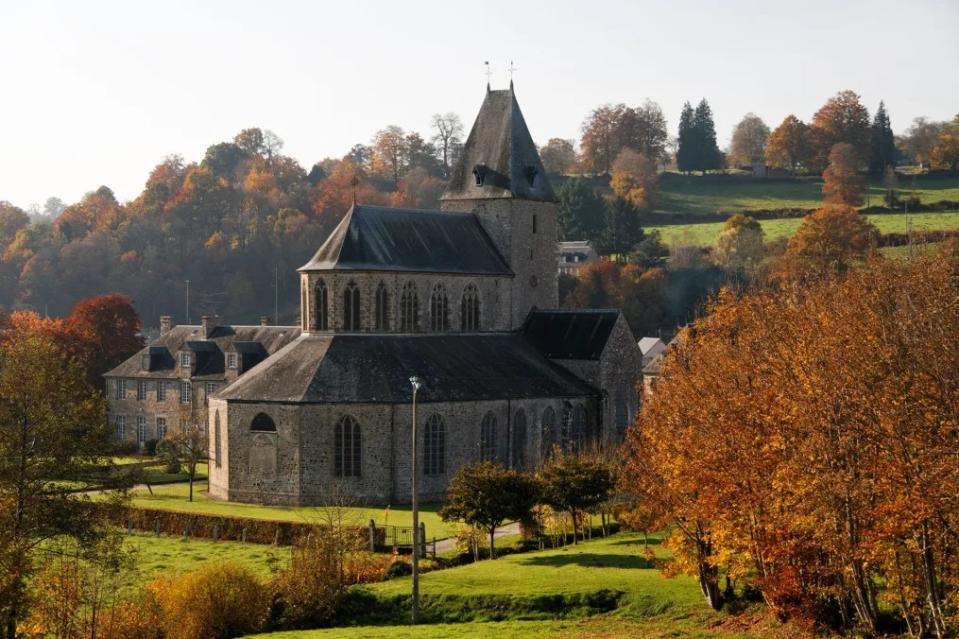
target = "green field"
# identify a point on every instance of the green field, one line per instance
(547, 594)
(705, 234)
(168, 556)
(174, 497)
(681, 194)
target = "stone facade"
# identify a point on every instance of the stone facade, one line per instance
(526, 233)
(495, 297)
(295, 465)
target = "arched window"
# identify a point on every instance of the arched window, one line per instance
(263, 423)
(548, 433)
(439, 309)
(518, 445)
(566, 427)
(321, 315)
(580, 431)
(409, 309)
(346, 448)
(470, 309)
(216, 439)
(351, 307)
(434, 446)
(381, 309)
(488, 438)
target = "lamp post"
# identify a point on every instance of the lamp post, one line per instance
(416, 383)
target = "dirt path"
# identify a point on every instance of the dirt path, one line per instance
(445, 545)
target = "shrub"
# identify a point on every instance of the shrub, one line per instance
(150, 447)
(399, 568)
(216, 601)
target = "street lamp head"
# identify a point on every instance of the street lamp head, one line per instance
(416, 382)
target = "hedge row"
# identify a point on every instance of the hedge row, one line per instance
(218, 527)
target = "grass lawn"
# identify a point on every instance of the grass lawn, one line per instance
(682, 194)
(705, 234)
(167, 556)
(174, 497)
(514, 589)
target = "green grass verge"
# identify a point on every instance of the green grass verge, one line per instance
(705, 234)
(174, 497)
(692, 194)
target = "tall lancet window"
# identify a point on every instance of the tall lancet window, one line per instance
(351, 307)
(409, 309)
(439, 309)
(321, 313)
(381, 309)
(470, 309)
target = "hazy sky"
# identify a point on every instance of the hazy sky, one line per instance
(98, 93)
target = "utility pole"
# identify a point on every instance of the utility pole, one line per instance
(417, 383)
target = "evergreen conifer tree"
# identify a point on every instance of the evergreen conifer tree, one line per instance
(707, 155)
(686, 147)
(882, 145)
(581, 211)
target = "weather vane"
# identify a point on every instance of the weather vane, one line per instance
(489, 73)
(510, 69)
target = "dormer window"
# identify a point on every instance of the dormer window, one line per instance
(479, 172)
(184, 360)
(531, 172)
(231, 360)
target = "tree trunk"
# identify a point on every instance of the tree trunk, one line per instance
(492, 543)
(932, 587)
(192, 472)
(575, 528)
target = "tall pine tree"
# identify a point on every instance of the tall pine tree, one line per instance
(686, 147)
(882, 145)
(707, 154)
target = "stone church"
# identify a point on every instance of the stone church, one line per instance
(463, 297)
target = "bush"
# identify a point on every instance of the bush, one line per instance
(150, 447)
(216, 601)
(399, 568)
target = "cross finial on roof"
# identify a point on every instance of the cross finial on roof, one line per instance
(511, 68)
(489, 75)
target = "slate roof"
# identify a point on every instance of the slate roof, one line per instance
(377, 238)
(376, 369)
(572, 334)
(500, 146)
(210, 352)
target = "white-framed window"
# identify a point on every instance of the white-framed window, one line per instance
(120, 424)
(210, 388)
(231, 360)
(185, 392)
(161, 390)
(141, 429)
(184, 360)
(161, 428)
(121, 389)
(141, 389)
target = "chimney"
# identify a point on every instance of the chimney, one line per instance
(166, 323)
(207, 324)
(264, 320)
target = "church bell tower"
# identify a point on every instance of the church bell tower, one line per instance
(500, 178)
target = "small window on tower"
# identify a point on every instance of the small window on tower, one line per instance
(479, 172)
(531, 174)
(534, 223)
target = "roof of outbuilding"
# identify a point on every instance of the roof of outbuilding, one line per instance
(501, 145)
(376, 369)
(377, 238)
(572, 334)
(220, 340)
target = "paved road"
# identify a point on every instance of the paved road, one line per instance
(444, 545)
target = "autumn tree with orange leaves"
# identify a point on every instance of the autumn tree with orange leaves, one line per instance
(802, 440)
(828, 242)
(842, 183)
